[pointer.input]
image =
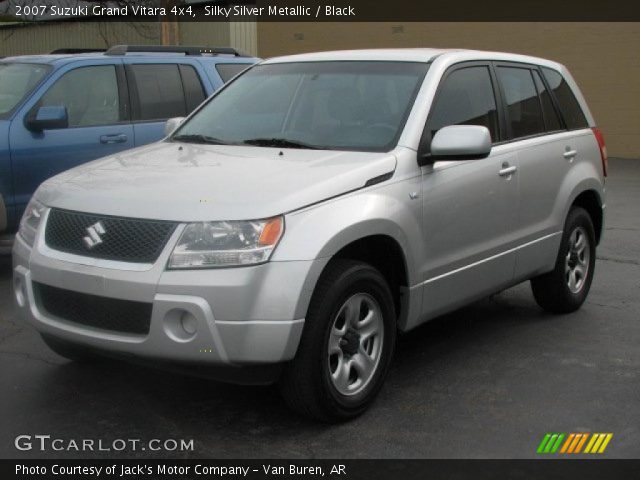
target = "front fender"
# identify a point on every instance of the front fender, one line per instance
(319, 232)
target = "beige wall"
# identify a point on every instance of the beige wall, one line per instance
(44, 37)
(603, 57)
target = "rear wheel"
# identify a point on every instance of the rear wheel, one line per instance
(346, 346)
(566, 287)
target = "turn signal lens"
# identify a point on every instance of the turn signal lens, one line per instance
(271, 232)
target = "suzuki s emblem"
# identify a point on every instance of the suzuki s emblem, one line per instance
(94, 237)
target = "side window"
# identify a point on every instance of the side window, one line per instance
(160, 91)
(524, 112)
(193, 91)
(551, 119)
(90, 95)
(569, 106)
(466, 98)
(229, 70)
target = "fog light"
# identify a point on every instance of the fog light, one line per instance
(180, 325)
(188, 323)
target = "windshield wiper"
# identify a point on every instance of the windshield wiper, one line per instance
(279, 143)
(198, 138)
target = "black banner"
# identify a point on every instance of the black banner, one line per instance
(583, 469)
(321, 10)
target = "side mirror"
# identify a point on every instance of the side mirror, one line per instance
(48, 118)
(172, 124)
(460, 142)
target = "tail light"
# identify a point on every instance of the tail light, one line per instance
(603, 149)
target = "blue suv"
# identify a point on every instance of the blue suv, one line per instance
(64, 109)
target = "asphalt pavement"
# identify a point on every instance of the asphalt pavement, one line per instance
(487, 381)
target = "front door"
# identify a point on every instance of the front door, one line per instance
(470, 207)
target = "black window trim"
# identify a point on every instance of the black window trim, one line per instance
(135, 97)
(523, 66)
(554, 101)
(123, 97)
(424, 147)
(548, 130)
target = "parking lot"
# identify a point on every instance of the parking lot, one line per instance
(487, 381)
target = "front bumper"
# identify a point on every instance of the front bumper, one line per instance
(238, 316)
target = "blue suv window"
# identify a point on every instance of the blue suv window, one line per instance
(166, 90)
(90, 95)
(17, 80)
(229, 70)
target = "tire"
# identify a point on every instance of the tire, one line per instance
(69, 350)
(338, 386)
(565, 288)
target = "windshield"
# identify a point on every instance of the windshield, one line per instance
(17, 80)
(325, 105)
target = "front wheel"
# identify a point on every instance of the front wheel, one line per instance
(346, 346)
(566, 287)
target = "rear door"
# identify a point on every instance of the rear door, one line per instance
(547, 151)
(159, 91)
(94, 94)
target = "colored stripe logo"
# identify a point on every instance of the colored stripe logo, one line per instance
(572, 443)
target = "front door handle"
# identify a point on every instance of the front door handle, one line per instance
(117, 138)
(507, 171)
(570, 154)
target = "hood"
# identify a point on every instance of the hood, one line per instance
(187, 182)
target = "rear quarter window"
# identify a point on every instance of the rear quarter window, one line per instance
(229, 70)
(569, 106)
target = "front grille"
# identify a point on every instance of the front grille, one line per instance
(111, 238)
(124, 316)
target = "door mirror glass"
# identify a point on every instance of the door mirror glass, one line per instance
(461, 142)
(48, 118)
(172, 124)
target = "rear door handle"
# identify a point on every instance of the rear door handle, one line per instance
(117, 138)
(506, 171)
(569, 154)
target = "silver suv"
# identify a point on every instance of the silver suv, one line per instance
(314, 207)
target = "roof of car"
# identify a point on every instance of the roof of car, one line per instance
(410, 55)
(66, 58)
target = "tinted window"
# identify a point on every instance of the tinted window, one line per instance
(16, 81)
(193, 91)
(159, 91)
(524, 113)
(229, 70)
(90, 95)
(330, 105)
(551, 119)
(466, 98)
(569, 106)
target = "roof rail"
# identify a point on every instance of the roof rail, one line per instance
(124, 49)
(63, 51)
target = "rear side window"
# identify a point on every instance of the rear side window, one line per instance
(160, 91)
(466, 98)
(569, 106)
(551, 119)
(524, 112)
(229, 70)
(193, 91)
